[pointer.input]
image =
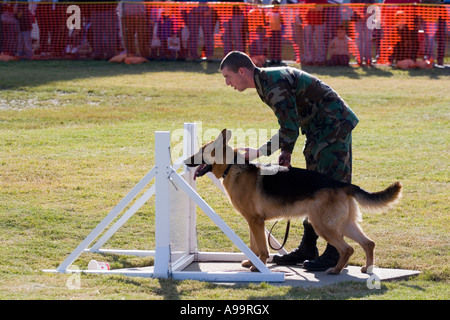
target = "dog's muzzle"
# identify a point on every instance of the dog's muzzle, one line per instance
(202, 170)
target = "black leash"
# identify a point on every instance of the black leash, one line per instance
(286, 235)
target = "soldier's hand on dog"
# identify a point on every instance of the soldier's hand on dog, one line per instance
(284, 159)
(251, 154)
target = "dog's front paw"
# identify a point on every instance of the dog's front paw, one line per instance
(333, 271)
(246, 264)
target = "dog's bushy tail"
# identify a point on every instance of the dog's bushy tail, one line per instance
(376, 201)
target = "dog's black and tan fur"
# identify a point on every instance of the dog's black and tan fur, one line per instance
(331, 206)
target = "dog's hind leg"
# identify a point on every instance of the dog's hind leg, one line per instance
(328, 220)
(345, 252)
(337, 240)
(353, 231)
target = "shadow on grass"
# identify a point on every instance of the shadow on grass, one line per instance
(349, 72)
(376, 71)
(18, 74)
(339, 291)
(171, 289)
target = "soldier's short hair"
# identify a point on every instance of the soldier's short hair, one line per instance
(235, 60)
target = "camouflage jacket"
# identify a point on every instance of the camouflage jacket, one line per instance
(301, 101)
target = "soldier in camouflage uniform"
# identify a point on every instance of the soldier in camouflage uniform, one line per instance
(300, 101)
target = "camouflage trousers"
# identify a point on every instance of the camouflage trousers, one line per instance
(332, 159)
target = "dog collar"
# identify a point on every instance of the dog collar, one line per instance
(227, 170)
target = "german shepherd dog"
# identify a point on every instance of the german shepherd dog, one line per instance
(264, 192)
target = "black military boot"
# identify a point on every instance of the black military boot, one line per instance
(307, 250)
(328, 259)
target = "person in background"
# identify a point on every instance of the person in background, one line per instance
(299, 34)
(58, 28)
(403, 49)
(435, 32)
(339, 48)
(25, 19)
(134, 24)
(165, 31)
(333, 19)
(42, 17)
(233, 37)
(275, 26)
(104, 28)
(363, 35)
(388, 26)
(1, 29)
(315, 53)
(10, 29)
(205, 17)
(257, 34)
(441, 34)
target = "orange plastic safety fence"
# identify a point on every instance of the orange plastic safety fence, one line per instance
(307, 33)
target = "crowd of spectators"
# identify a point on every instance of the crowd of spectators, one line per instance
(319, 34)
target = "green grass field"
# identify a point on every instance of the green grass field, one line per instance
(76, 136)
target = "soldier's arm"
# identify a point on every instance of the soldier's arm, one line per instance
(283, 103)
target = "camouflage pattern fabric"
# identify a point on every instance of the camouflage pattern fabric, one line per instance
(300, 101)
(334, 160)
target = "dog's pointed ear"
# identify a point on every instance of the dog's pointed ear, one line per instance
(226, 136)
(222, 139)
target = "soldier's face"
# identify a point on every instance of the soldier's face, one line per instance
(236, 80)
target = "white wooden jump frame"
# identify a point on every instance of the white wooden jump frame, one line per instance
(165, 174)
